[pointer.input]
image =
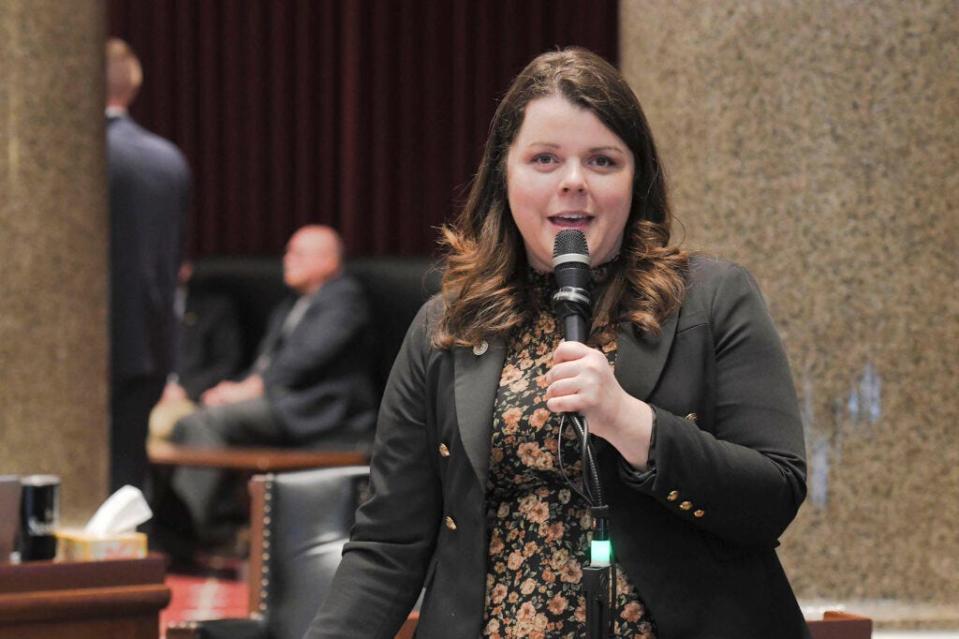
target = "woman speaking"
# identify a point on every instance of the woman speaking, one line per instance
(476, 476)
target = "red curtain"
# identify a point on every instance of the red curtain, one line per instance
(368, 115)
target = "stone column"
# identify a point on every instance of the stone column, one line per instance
(817, 143)
(53, 247)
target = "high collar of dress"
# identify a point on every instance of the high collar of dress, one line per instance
(543, 285)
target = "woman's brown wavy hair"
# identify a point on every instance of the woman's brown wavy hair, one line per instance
(483, 287)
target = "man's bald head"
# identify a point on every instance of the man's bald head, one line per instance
(124, 74)
(313, 255)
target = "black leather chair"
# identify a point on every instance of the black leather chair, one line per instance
(396, 287)
(299, 523)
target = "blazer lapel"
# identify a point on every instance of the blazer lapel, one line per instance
(275, 323)
(640, 357)
(477, 377)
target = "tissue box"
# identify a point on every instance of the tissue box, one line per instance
(76, 545)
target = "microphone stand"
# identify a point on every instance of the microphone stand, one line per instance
(599, 578)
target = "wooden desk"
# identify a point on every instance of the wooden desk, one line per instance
(252, 459)
(119, 599)
(840, 625)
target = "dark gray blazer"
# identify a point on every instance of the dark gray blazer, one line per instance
(149, 195)
(318, 380)
(696, 533)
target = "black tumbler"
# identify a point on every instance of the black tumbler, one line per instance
(39, 516)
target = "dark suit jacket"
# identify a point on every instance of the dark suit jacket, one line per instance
(209, 343)
(696, 533)
(318, 380)
(149, 184)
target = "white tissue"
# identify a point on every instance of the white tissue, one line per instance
(122, 512)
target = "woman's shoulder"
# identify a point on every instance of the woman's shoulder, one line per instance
(429, 315)
(713, 280)
(432, 309)
(705, 267)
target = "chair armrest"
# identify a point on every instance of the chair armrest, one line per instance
(218, 629)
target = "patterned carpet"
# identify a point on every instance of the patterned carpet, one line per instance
(202, 597)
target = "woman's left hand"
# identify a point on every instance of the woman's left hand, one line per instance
(581, 381)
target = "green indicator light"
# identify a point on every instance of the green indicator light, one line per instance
(600, 553)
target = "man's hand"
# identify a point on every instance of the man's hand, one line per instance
(227, 392)
(173, 392)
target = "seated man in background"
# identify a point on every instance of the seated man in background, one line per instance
(209, 350)
(310, 385)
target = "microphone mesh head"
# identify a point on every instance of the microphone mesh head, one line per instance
(570, 241)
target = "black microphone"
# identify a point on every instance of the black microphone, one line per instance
(571, 302)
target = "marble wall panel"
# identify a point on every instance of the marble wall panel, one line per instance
(53, 247)
(817, 143)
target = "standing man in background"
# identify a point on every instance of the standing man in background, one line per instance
(149, 194)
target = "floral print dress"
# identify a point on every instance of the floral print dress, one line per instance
(540, 528)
